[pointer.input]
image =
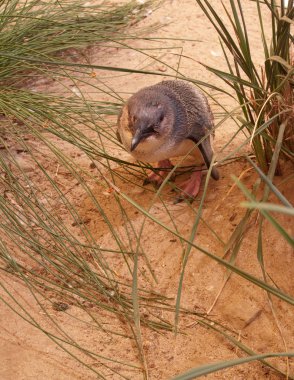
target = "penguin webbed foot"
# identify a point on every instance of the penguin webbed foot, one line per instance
(190, 188)
(157, 177)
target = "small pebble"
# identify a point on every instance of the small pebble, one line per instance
(60, 306)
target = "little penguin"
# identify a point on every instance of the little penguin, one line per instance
(169, 119)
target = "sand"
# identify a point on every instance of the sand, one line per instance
(27, 353)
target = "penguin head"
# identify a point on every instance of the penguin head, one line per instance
(150, 117)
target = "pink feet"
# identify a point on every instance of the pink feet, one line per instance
(190, 188)
(158, 177)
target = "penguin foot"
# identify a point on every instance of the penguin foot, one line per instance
(190, 188)
(157, 177)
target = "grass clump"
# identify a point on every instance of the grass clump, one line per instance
(266, 94)
(44, 241)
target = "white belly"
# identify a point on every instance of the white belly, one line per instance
(154, 149)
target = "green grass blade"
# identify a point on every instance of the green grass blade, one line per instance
(211, 368)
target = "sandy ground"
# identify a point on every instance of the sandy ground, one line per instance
(27, 353)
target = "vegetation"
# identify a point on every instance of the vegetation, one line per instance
(266, 94)
(45, 240)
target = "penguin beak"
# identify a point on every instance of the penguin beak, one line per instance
(136, 139)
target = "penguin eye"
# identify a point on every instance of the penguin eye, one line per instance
(161, 117)
(156, 129)
(151, 129)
